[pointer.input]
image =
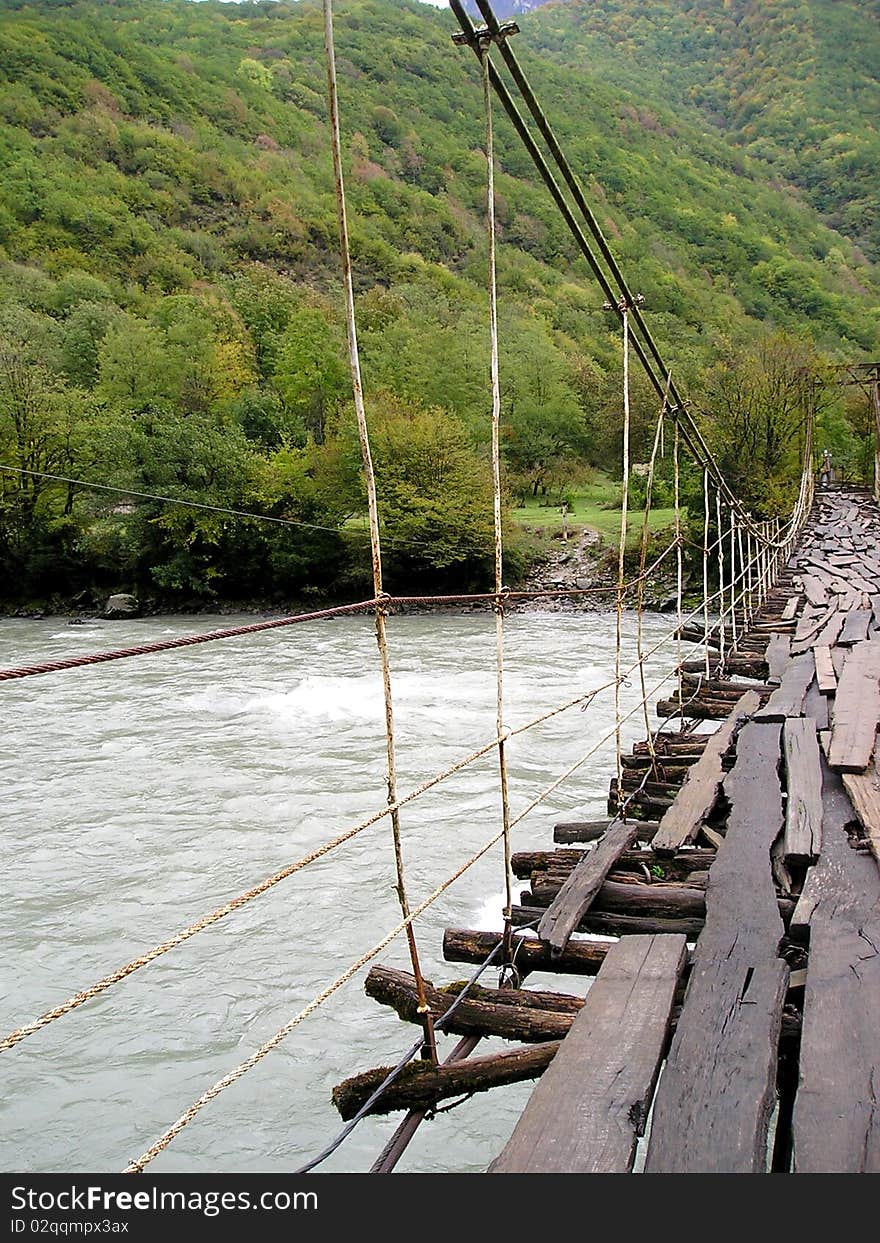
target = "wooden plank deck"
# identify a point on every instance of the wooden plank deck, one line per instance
(856, 709)
(590, 1107)
(581, 887)
(700, 790)
(836, 1120)
(714, 1101)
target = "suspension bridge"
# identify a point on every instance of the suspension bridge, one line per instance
(727, 909)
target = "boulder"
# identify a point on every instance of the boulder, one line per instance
(122, 605)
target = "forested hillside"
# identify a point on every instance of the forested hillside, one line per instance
(169, 301)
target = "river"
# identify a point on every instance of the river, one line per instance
(141, 794)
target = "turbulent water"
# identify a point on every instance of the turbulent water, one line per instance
(140, 795)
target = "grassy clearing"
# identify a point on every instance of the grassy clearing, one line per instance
(595, 505)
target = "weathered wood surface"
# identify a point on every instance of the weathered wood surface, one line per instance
(530, 954)
(612, 924)
(856, 709)
(698, 794)
(591, 830)
(421, 1085)
(788, 699)
(512, 1014)
(836, 1120)
(855, 628)
(778, 654)
(583, 884)
(864, 793)
(826, 678)
(525, 863)
(714, 1101)
(803, 809)
(590, 1107)
(663, 900)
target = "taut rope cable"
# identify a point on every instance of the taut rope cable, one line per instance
(621, 551)
(207, 921)
(723, 631)
(679, 580)
(373, 511)
(706, 564)
(643, 554)
(495, 382)
(138, 1165)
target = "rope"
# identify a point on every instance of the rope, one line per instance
(174, 500)
(621, 552)
(373, 512)
(722, 620)
(207, 921)
(679, 569)
(495, 383)
(362, 606)
(139, 1164)
(192, 640)
(643, 554)
(706, 564)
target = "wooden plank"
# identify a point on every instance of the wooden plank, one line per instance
(856, 709)
(864, 793)
(828, 635)
(697, 796)
(816, 706)
(788, 699)
(590, 1107)
(815, 591)
(802, 839)
(791, 608)
(836, 1125)
(778, 655)
(826, 678)
(591, 830)
(855, 628)
(576, 895)
(712, 1108)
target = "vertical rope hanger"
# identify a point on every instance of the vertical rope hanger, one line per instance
(679, 567)
(733, 580)
(624, 505)
(706, 570)
(373, 511)
(496, 493)
(722, 625)
(643, 557)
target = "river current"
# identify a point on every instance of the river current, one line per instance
(142, 794)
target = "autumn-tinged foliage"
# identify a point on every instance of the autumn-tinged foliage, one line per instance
(170, 309)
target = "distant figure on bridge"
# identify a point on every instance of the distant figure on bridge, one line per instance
(826, 473)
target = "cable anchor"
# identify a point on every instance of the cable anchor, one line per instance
(482, 36)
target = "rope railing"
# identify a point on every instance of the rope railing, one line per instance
(362, 606)
(123, 972)
(753, 563)
(138, 1165)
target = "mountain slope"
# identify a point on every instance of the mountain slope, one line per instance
(795, 84)
(169, 273)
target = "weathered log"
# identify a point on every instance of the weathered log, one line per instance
(525, 862)
(421, 1085)
(605, 923)
(530, 954)
(481, 1012)
(592, 830)
(662, 900)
